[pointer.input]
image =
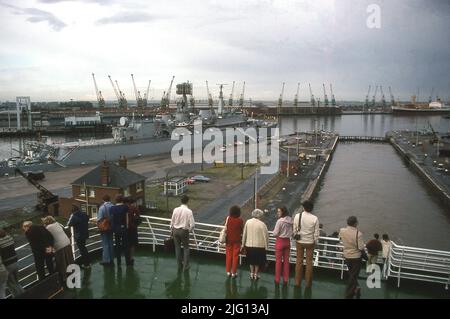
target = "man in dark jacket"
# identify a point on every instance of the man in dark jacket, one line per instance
(41, 243)
(119, 225)
(80, 223)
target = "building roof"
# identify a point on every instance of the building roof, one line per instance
(119, 177)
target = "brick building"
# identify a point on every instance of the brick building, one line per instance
(107, 178)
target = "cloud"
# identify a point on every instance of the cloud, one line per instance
(88, 1)
(127, 17)
(37, 15)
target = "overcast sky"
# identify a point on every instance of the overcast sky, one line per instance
(49, 48)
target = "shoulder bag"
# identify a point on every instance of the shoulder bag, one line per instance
(223, 233)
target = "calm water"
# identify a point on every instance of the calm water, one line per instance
(373, 183)
(367, 125)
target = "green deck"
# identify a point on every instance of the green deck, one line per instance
(155, 275)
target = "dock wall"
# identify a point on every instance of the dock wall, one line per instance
(442, 193)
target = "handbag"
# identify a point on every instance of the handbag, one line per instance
(297, 235)
(104, 225)
(169, 244)
(223, 233)
(364, 256)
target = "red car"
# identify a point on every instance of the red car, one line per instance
(189, 181)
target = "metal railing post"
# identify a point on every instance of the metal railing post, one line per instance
(153, 233)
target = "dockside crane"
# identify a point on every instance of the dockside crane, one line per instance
(296, 95)
(313, 100)
(165, 101)
(383, 99)
(100, 99)
(139, 100)
(392, 97)
(325, 97)
(430, 99)
(366, 103)
(241, 98)
(333, 100)
(123, 103)
(45, 197)
(280, 99)
(116, 92)
(230, 100)
(374, 95)
(210, 99)
(145, 102)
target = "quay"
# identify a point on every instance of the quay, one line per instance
(362, 139)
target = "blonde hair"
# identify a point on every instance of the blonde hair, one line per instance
(257, 213)
(27, 224)
(47, 220)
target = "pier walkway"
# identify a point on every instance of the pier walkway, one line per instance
(408, 272)
(377, 139)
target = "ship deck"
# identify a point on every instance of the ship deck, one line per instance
(155, 276)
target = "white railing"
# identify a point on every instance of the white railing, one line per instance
(402, 262)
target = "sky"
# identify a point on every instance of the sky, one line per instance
(50, 48)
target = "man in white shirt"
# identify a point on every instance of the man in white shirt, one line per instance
(181, 224)
(306, 233)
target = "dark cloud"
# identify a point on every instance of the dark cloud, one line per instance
(37, 15)
(127, 17)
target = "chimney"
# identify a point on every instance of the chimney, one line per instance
(123, 161)
(104, 174)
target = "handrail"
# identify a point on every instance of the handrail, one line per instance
(402, 261)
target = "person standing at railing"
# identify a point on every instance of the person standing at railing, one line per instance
(306, 234)
(134, 219)
(234, 225)
(9, 257)
(41, 243)
(61, 244)
(373, 248)
(283, 233)
(119, 225)
(386, 243)
(255, 241)
(79, 220)
(181, 224)
(353, 242)
(104, 224)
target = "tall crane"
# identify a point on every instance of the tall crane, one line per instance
(280, 99)
(430, 99)
(333, 100)
(146, 94)
(325, 97)
(392, 97)
(374, 95)
(296, 95)
(241, 98)
(230, 100)
(139, 100)
(210, 99)
(383, 100)
(313, 100)
(100, 99)
(115, 91)
(366, 103)
(123, 103)
(165, 101)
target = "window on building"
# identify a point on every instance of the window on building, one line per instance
(126, 191)
(138, 187)
(82, 191)
(139, 202)
(83, 208)
(91, 192)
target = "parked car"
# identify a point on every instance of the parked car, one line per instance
(200, 178)
(189, 181)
